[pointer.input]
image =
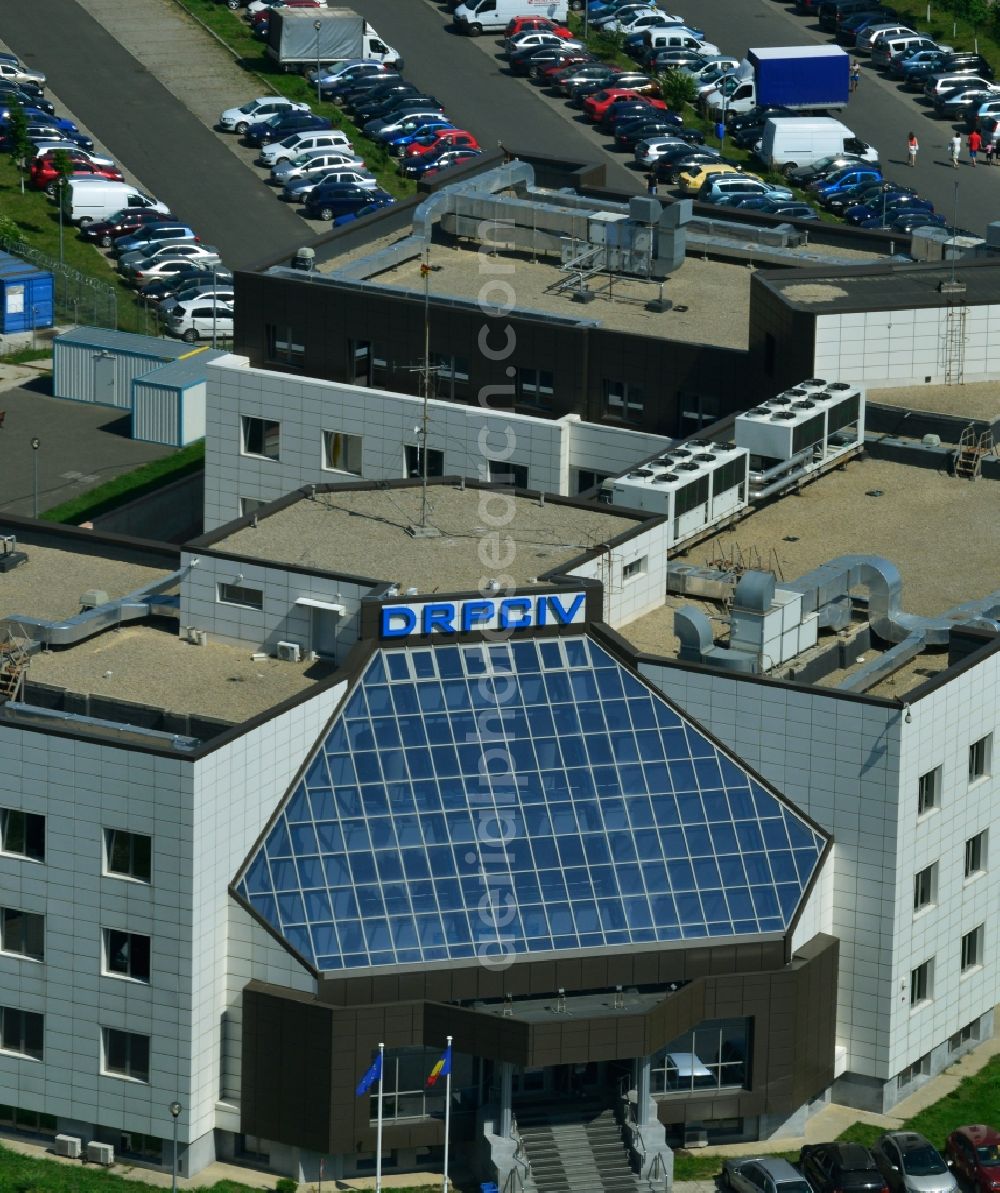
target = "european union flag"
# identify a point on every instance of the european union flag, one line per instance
(374, 1074)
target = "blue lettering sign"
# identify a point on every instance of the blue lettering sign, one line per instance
(476, 613)
(515, 613)
(563, 615)
(397, 621)
(438, 617)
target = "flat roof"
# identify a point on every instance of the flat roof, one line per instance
(976, 399)
(364, 532)
(127, 341)
(912, 522)
(148, 664)
(884, 286)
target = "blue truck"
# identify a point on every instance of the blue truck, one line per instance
(800, 78)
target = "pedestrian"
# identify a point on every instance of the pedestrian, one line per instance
(990, 149)
(652, 184)
(955, 149)
(912, 147)
(975, 143)
(855, 74)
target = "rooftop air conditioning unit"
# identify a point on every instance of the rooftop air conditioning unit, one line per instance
(68, 1146)
(695, 1137)
(100, 1153)
(289, 652)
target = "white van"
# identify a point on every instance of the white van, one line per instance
(487, 16)
(88, 199)
(790, 141)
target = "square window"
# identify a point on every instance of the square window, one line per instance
(638, 567)
(22, 1032)
(622, 400)
(126, 955)
(239, 594)
(261, 437)
(975, 854)
(415, 458)
(504, 472)
(126, 1054)
(980, 757)
(249, 505)
(925, 888)
(284, 346)
(23, 833)
(921, 983)
(342, 452)
(22, 932)
(972, 949)
(928, 791)
(128, 855)
(535, 387)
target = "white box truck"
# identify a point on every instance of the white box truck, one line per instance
(295, 43)
(490, 16)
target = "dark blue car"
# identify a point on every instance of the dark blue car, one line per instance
(348, 217)
(278, 127)
(328, 201)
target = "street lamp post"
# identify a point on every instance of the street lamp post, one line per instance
(175, 1113)
(318, 25)
(35, 445)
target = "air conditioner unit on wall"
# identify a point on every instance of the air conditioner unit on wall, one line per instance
(100, 1153)
(289, 652)
(68, 1146)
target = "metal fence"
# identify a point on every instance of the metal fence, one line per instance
(77, 298)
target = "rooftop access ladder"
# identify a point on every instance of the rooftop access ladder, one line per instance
(14, 656)
(971, 449)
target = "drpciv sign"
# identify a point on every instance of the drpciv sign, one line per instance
(482, 613)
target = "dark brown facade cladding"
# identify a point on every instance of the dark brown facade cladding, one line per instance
(329, 319)
(782, 340)
(303, 1056)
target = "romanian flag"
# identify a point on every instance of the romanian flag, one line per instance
(441, 1069)
(374, 1074)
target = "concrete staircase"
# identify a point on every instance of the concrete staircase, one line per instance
(578, 1149)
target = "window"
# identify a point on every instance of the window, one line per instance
(261, 437)
(972, 949)
(128, 855)
(587, 479)
(966, 1035)
(23, 833)
(21, 1032)
(359, 362)
(450, 368)
(126, 1054)
(414, 458)
(126, 955)
(535, 387)
(22, 932)
(975, 854)
(404, 1083)
(249, 505)
(925, 887)
(637, 567)
(713, 1056)
(342, 452)
(622, 400)
(503, 472)
(283, 346)
(928, 791)
(921, 983)
(238, 594)
(979, 758)
(919, 1068)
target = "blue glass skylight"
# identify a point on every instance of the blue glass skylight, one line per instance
(541, 771)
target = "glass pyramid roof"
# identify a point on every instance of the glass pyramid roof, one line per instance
(539, 770)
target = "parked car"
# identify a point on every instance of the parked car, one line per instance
(336, 198)
(347, 217)
(45, 174)
(910, 1164)
(908, 221)
(238, 120)
(763, 1174)
(972, 63)
(200, 318)
(879, 211)
(817, 171)
(400, 142)
(305, 163)
(77, 170)
(714, 188)
(331, 139)
(182, 275)
(856, 195)
(423, 109)
(20, 74)
(168, 267)
(299, 189)
(841, 1168)
(844, 179)
(851, 25)
(136, 266)
(152, 234)
(974, 1152)
(672, 163)
(122, 223)
(421, 167)
(629, 133)
(960, 103)
(939, 84)
(17, 93)
(435, 142)
(523, 24)
(886, 50)
(276, 128)
(914, 62)
(782, 208)
(408, 122)
(206, 290)
(695, 173)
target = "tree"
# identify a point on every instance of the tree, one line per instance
(64, 168)
(677, 88)
(20, 145)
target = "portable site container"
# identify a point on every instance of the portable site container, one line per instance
(168, 405)
(93, 364)
(26, 296)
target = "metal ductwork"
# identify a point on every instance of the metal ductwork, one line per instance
(697, 644)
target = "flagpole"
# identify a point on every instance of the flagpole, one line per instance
(447, 1118)
(378, 1133)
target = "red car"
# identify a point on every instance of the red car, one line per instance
(45, 173)
(974, 1153)
(596, 105)
(126, 222)
(535, 25)
(259, 18)
(446, 138)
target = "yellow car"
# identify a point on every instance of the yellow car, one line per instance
(691, 179)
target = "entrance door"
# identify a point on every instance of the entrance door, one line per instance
(104, 380)
(324, 632)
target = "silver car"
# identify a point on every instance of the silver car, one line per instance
(911, 1164)
(762, 1174)
(314, 159)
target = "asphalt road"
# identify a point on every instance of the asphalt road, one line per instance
(477, 92)
(878, 112)
(148, 129)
